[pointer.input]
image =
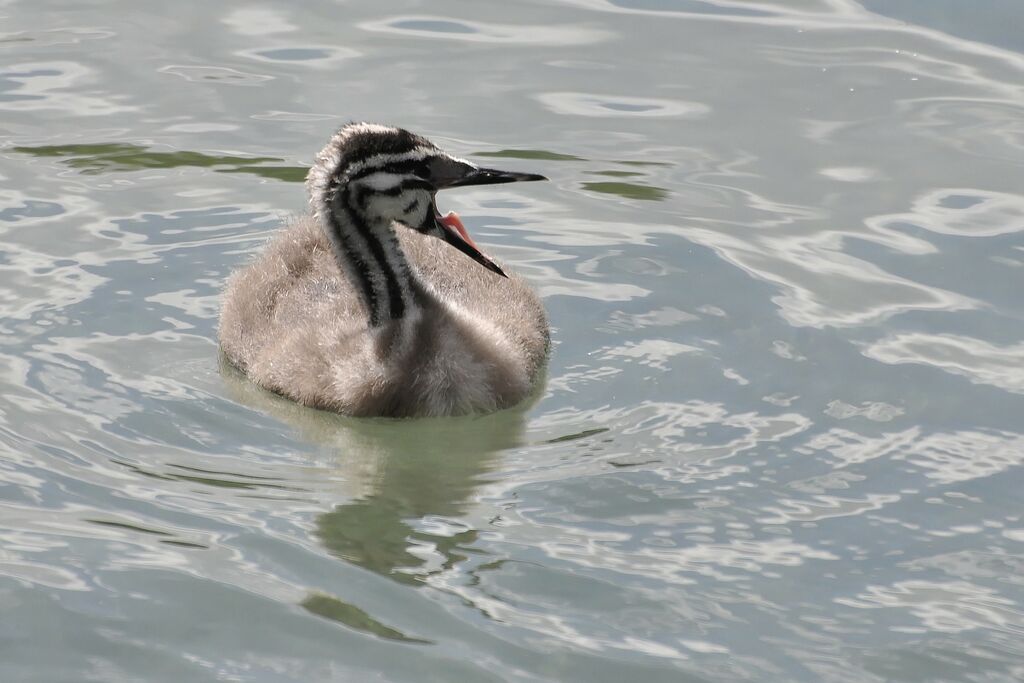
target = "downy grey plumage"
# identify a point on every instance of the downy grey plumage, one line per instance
(377, 305)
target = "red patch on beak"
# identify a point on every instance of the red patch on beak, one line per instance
(457, 235)
(453, 221)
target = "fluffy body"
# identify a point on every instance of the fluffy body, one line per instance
(293, 322)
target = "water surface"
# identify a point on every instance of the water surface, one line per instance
(782, 436)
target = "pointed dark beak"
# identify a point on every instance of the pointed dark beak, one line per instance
(488, 176)
(465, 175)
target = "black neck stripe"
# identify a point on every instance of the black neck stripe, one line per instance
(394, 291)
(359, 268)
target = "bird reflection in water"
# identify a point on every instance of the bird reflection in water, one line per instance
(397, 472)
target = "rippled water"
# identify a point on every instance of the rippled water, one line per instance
(783, 431)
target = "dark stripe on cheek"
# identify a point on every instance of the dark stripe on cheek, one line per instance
(407, 168)
(362, 194)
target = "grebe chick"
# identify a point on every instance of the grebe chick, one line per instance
(375, 304)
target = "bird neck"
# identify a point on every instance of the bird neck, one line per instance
(369, 253)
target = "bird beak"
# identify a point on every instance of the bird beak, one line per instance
(488, 176)
(461, 174)
(455, 234)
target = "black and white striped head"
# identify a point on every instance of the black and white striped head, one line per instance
(382, 175)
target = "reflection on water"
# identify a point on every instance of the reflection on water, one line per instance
(628, 190)
(351, 616)
(396, 471)
(781, 252)
(530, 154)
(114, 157)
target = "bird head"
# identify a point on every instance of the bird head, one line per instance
(382, 175)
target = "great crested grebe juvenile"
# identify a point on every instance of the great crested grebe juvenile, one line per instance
(375, 304)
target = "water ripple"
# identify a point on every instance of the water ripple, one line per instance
(320, 56)
(258, 21)
(57, 86)
(450, 28)
(964, 212)
(975, 359)
(219, 75)
(781, 435)
(946, 607)
(615, 106)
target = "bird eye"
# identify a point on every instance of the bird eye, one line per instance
(422, 172)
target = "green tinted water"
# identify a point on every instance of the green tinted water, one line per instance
(782, 435)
